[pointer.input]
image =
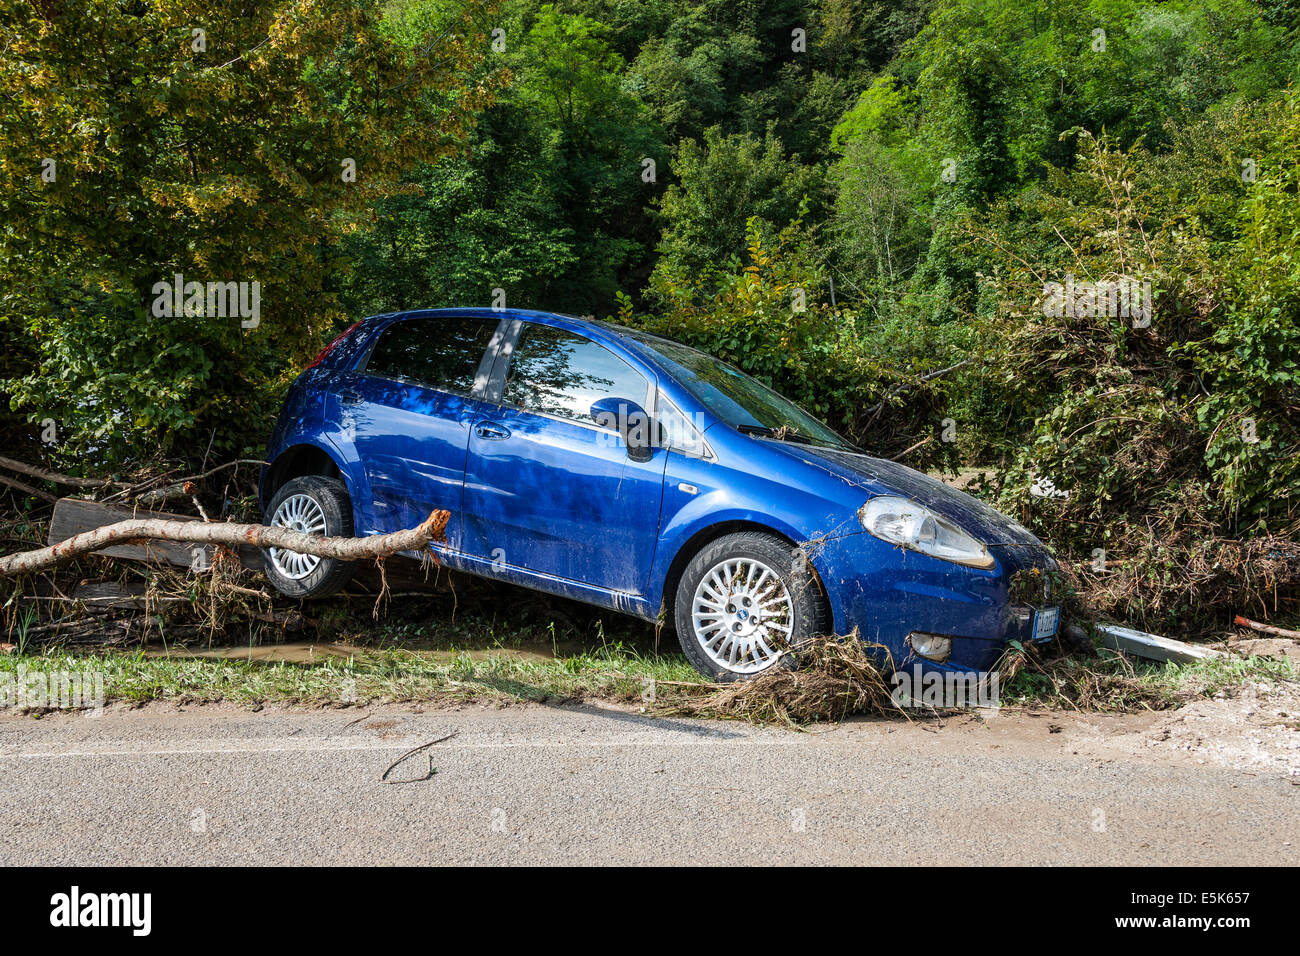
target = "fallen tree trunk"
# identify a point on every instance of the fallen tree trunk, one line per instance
(232, 535)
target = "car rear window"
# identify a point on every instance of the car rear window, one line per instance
(440, 352)
(560, 373)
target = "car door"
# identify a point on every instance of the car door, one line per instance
(549, 490)
(408, 408)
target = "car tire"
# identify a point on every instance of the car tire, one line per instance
(317, 504)
(743, 601)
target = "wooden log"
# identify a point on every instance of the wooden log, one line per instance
(74, 516)
(100, 597)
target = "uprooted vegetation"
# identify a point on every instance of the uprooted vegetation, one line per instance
(406, 632)
(537, 655)
(826, 679)
(1169, 432)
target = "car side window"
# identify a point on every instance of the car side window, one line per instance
(559, 373)
(676, 432)
(442, 353)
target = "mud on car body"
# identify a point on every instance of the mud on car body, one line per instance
(628, 471)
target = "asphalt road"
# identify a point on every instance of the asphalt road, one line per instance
(535, 784)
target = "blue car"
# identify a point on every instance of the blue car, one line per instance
(619, 468)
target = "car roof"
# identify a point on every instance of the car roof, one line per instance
(608, 332)
(475, 312)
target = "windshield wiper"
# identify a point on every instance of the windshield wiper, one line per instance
(784, 433)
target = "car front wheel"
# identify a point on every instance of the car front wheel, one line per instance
(743, 602)
(315, 505)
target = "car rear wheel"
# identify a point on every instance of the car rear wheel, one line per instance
(314, 505)
(743, 602)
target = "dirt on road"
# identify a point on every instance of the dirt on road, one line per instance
(217, 785)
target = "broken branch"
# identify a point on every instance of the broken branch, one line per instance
(411, 753)
(1266, 628)
(877, 408)
(27, 489)
(232, 535)
(45, 475)
(176, 487)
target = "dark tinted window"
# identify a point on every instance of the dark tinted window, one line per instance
(560, 373)
(438, 352)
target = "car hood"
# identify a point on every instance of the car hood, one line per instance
(878, 476)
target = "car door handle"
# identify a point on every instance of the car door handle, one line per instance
(350, 397)
(491, 431)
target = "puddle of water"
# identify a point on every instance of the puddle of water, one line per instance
(305, 652)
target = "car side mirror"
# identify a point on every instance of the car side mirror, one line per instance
(628, 421)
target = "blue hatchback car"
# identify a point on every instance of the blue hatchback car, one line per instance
(622, 469)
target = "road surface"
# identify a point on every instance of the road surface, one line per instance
(220, 785)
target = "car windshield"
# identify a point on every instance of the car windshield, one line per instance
(740, 401)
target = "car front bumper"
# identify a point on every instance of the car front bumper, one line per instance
(887, 593)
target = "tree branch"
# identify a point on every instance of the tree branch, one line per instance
(25, 469)
(27, 489)
(1266, 628)
(231, 535)
(877, 408)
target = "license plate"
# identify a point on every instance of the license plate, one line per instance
(1046, 621)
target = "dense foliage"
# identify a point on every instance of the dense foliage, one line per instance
(143, 140)
(840, 196)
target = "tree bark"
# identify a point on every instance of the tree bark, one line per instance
(231, 535)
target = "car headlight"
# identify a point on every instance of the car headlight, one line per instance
(905, 523)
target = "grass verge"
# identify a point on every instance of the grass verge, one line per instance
(367, 676)
(1111, 682)
(478, 659)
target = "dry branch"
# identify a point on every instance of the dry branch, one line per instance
(45, 475)
(877, 408)
(27, 489)
(179, 487)
(1266, 628)
(231, 535)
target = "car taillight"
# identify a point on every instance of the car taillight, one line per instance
(329, 348)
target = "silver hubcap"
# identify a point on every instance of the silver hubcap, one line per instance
(299, 513)
(743, 615)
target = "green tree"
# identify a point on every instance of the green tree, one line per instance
(215, 141)
(722, 185)
(548, 200)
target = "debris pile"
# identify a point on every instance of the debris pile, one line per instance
(826, 678)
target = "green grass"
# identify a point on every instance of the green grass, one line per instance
(483, 646)
(371, 675)
(614, 672)
(1110, 682)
